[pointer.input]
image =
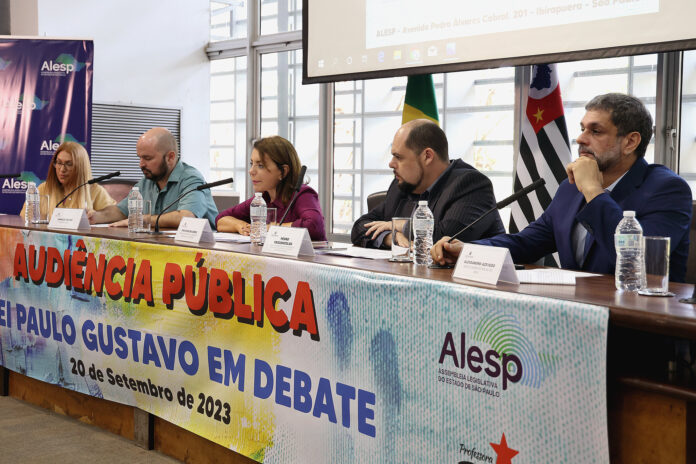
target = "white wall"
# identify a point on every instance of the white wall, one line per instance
(146, 52)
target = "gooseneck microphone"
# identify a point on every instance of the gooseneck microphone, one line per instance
(303, 170)
(104, 177)
(10, 176)
(90, 182)
(229, 180)
(503, 203)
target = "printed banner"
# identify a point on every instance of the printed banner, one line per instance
(45, 99)
(290, 361)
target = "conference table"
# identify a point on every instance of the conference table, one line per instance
(650, 390)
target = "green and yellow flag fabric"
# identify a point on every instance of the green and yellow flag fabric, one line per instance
(420, 100)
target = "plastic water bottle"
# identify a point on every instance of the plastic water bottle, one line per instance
(32, 213)
(423, 224)
(258, 219)
(135, 210)
(628, 241)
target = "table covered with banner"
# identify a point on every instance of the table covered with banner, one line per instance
(293, 361)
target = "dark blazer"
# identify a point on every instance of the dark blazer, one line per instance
(456, 200)
(660, 198)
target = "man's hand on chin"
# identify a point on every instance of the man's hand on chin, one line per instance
(585, 174)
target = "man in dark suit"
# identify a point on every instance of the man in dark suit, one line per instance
(609, 176)
(456, 192)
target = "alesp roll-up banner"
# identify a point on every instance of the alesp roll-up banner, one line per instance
(45, 99)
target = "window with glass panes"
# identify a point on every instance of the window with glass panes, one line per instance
(228, 98)
(477, 109)
(290, 109)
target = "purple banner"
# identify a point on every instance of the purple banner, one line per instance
(45, 99)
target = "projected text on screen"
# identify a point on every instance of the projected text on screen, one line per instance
(392, 22)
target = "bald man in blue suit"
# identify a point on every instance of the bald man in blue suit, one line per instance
(609, 176)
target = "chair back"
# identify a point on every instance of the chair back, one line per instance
(375, 199)
(118, 188)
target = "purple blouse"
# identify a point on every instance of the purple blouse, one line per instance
(305, 212)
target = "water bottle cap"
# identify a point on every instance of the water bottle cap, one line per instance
(31, 184)
(629, 214)
(423, 203)
(258, 194)
(136, 189)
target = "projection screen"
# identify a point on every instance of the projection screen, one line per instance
(359, 39)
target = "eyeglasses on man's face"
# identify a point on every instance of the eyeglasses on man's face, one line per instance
(60, 165)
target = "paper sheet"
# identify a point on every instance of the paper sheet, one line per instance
(231, 238)
(546, 276)
(359, 252)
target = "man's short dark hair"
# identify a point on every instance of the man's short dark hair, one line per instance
(628, 114)
(426, 134)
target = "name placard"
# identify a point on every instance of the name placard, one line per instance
(69, 218)
(194, 230)
(486, 264)
(288, 241)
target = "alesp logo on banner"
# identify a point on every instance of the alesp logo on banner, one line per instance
(14, 186)
(490, 365)
(24, 103)
(4, 63)
(19, 186)
(48, 147)
(63, 65)
(509, 357)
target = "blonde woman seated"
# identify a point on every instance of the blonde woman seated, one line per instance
(275, 168)
(69, 168)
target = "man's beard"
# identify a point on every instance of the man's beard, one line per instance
(157, 177)
(405, 186)
(607, 159)
(408, 187)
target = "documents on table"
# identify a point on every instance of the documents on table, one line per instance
(551, 276)
(360, 252)
(230, 237)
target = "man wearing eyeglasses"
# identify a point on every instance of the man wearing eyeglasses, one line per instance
(609, 176)
(166, 177)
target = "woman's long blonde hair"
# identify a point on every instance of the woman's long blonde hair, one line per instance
(82, 173)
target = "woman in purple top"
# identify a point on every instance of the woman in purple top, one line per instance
(274, 170)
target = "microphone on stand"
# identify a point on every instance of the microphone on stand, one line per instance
(229, 180)
(10, 176)
(90, 182)
(501, 204)
(303, 170)
(104, 177)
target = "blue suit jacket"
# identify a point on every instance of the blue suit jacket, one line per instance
(660, 198)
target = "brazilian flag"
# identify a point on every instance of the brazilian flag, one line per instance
(420, 100)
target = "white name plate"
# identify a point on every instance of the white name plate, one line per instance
(194, 230)
(288, 241)
(485, 264)
(69, 218)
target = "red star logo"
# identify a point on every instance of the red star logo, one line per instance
(505, 454)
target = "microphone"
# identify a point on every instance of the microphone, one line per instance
(303, 170)
(10, 176)
(91, 181)
(104, 177)
(503, 203)
(229, 180)
(214, 184)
